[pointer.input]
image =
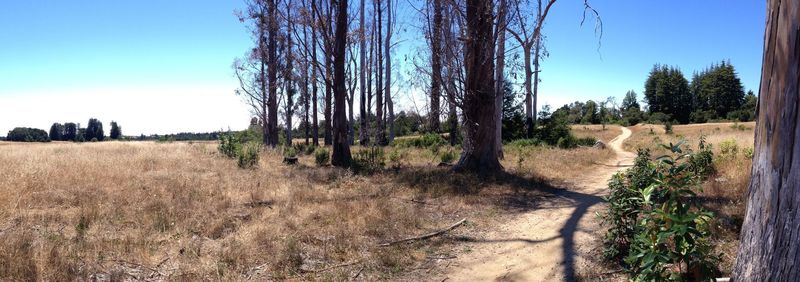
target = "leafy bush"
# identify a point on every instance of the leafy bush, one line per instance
(748, 152)
(25, 134)
(728, 149)
(397, 157)
(655, 222)
(586, 141)
(229, 145)
(369, 160)
(321, 156)
(623, 206)
(448, 156)
(668, 127)
(248, 156)
(702, 161)
(567, 142)
(289, 152)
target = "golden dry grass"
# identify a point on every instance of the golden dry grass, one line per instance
(723, 191)
(180, 211)
(597, 131)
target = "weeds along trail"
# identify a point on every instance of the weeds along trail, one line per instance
(556, 241)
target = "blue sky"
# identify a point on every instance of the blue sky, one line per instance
(164, 66)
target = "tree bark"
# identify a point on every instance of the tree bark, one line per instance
(528, 92)
(314, 61)
(770, 236)
(480, 148)
(288, 76)
(341, 148)
(380, 133)
(306, 98)
(388, 46)
(362, 131)
(499, 77)
(262, 46)
(272, 49)
(328, 75)
(436, 66)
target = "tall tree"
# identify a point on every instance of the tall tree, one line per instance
(770, 237)
(329, 42)
(388, 46)
(57, 131)
(272, 61)
(435, 38)
(116, 131)
(380, 132)
(479, 147)
(314, 70)
(251, 70)
(289, 73)
(363, 136)
(341, 147)
(499, 73)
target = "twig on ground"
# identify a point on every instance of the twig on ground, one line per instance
(426, 236)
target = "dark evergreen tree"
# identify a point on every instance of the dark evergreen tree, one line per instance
(94, 131)
(629, 101)
(513, 121)
(116, 131)
(667, 92)
(70, 132)
(56, 132)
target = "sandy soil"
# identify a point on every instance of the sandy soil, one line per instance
(550, 243)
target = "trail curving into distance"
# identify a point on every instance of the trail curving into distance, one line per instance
(547, 243)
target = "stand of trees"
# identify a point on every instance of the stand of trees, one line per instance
(713, 94)
(26, 134)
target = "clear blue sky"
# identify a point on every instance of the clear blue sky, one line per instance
(164, 66)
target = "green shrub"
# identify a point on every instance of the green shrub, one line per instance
(567, 142)
(248, 156)
(321, 156)
(728, 149)
(228, 145)
(397, 157)
(748, 152)
(448, 156)
(586, 141)
(289, 152)
(702, 161)
(672, 229)
(668, 127)
(369, 160)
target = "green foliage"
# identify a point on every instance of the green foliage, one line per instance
(554, 127)
(668, 127)
(719, 91)
(425, 141)
(513, 121)
(289, 152)
(70, 132)
(229, 145)
(369, 160)
(748, 152)
(94, 130)
(397, 157)
(701, 163)
(321, 156)
(667, 91)
(728, 149)
(448, 156)
(654, 223)
(56, 132)
(248, 155)
(26, 134)
(116, 131)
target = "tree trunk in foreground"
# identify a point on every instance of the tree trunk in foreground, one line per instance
(480, 148)
(499, 78)
(436, 67)
(770, 237)
(341, 147)
(363, 137)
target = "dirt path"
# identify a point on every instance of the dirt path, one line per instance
(548, 243)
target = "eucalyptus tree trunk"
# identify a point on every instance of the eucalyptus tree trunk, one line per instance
(388, 45)
(499, 78)
(480, 146)
(314, 69)
(362, 131)
(341, 148)
(770, 238)
(288, 77)
(329, 76)
(380, 133)
(436, 67)
(272, 49)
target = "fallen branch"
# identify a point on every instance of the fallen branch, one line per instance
(426, 236)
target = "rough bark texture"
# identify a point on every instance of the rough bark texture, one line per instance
(480, 148)
(380, 133)
(770, 237)
(388, 46)
(436, 66)
(499, 77)
(363, 137)
(341, 148)
(272, 49)
(314, 61)
(289, 79)
(262, 46)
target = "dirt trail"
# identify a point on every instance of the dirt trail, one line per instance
(548, 243)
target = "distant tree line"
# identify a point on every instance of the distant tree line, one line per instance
(715, 93)
(92, 132)
(26, 134)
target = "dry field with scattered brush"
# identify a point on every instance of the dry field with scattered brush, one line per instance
(724, 191)
(180, 211)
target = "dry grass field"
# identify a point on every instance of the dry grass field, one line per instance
(180, 211)
(724, 191)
